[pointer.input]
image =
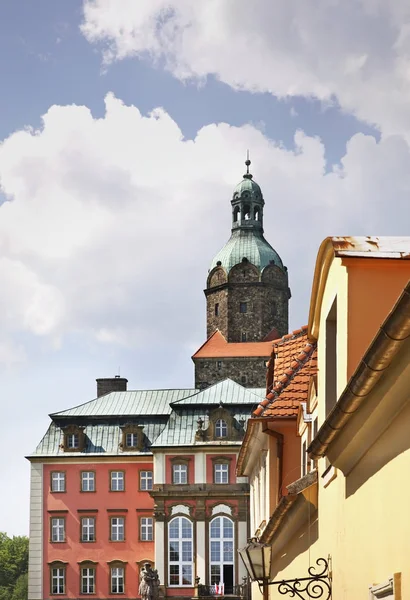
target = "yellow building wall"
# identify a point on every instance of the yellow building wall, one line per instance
(363, 521)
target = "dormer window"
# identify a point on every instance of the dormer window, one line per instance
(131, 440)
(221, 428)
(132, 437)
(74, 439)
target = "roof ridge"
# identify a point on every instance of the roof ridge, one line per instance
(296, 333)
(208, 340)
(297, 363)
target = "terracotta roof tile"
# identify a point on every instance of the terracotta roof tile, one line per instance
(292, 364)
(216, 346)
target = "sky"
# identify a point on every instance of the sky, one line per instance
(124, 128)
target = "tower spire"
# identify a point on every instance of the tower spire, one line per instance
(247, 163)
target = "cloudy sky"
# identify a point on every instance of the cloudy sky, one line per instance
(124, 126)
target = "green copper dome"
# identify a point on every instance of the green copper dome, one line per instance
(246, 244)
(247, 239)
(247, 188)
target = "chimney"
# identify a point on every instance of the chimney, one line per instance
(111, 384)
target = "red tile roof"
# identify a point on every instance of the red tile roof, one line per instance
(292, 364)
(216, 346)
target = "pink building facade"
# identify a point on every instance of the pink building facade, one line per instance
(141, 476)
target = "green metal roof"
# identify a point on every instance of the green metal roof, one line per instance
(130, 403)
(182, 426)
(100, 439)
(224, 392)
(247, 187)
(247, 244)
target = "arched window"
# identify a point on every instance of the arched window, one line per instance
(221, 428)
(221, 551)
(236, 213)
(180, 552)
(256, 213)
(246, 212)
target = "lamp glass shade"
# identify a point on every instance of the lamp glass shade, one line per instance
(257, 559)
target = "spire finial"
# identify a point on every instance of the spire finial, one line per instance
(247, 163)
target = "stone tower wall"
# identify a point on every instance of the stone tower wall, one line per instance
(249, 372)
(266, 298)
(213, 322)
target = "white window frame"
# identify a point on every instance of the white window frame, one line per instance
(221, 473)
(87, 580)
(221, 428)
(87, 529)
(58, 481)
(117, 481)
(221, 540)
(146, 480)
(73, 440)
(57, 580)
(57, 529)
(179, 474)
(117, 529)
(146, 529)
(181, 544)
(117, 577)
(88, 481)
(133, 438)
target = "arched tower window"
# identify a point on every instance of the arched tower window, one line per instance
(256, 213)
(246, 212)
(221, 428)
(236, 212)
(221, 551)
(180, 552)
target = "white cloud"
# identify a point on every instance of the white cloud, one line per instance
(111, 223)
(357, 51)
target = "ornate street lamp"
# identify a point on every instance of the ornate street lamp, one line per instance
(257, 559)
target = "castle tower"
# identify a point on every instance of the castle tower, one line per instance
(247, 293)
(247, 289)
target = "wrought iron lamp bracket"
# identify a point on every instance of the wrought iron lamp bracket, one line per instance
(318, 585)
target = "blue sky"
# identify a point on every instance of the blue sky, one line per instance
(111, 215)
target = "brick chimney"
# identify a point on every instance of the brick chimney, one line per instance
(111, 384)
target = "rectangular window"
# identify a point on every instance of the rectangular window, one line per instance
(315, 427)
(117, 580)
(88, 580)
(243, 307)
(146, 480)
(331, 358)
(243, 336)
(219, 364)
(88, 481)
(117, 481)
(179, 474)
(57, 580)
(117, 529)
(58, 529)
(131, 440)
(221, 473)
(215, 574)
(88, 529)
(216, 309)
(146, 529)
(174, 574)
(58, 481)
(73, 440)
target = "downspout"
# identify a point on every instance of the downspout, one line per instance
(279, 439)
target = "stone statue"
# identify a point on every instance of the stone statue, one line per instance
(149, 583)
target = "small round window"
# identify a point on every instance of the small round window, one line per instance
(221, 428)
